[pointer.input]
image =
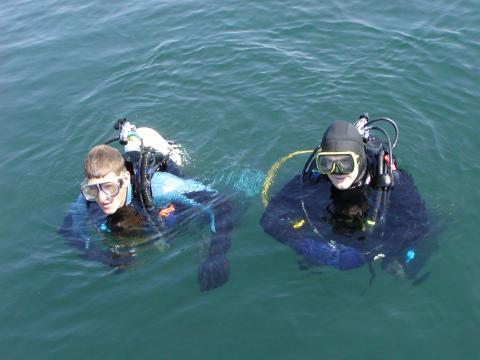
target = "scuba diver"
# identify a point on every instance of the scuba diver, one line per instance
(334, 212)
(126, 196)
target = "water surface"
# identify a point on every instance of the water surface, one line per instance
(238, 85)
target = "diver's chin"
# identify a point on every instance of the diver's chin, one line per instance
(341, 182)
(108, 209)
(341, 186)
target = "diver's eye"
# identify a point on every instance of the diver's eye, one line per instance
(89, 192)
(110, 188)
(325, 164)
(345, 165)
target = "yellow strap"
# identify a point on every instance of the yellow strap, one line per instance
(272, 172)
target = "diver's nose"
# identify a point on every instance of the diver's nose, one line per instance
(103, 198)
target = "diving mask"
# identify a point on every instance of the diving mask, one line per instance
(109, 188)
(337, 162)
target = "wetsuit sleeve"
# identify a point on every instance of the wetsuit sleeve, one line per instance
(74, 231)
(407, 220)
(215, 270)
(198, 198)
(188, 201)
(167, 188)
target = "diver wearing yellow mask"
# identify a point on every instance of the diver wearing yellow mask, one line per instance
(335, 212)
(341, 157)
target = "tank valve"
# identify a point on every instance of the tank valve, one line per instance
(361, 124)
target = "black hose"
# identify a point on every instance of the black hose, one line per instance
(309, 161)
(381, 168)
(391, 122)
(112, 140)
(390, 147)
(145, 181)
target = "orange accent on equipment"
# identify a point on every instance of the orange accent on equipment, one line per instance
(166, 210)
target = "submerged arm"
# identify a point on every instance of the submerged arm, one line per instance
(183, 199)
(166, 188)
(74, 231)
(288, 219)
(214, 270)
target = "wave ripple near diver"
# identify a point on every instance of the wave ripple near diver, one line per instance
(241, 179)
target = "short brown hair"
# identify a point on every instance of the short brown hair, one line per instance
(101, 160)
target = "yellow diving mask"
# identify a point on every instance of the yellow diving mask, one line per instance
(341, 162)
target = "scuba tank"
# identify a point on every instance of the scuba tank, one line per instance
(145, 152)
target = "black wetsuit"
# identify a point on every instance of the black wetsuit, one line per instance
(334, 227)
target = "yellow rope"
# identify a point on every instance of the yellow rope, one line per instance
(272, 172)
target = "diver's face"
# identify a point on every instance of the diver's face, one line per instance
(343, 181)
(108, 203)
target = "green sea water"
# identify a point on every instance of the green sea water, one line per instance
(238, 84)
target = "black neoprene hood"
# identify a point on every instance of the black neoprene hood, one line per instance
(343, 136)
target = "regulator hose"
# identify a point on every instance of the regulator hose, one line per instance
(145, 191)
(309, 160)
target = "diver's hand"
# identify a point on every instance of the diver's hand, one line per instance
(112, 257)
(213, 272)
(318, 252)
